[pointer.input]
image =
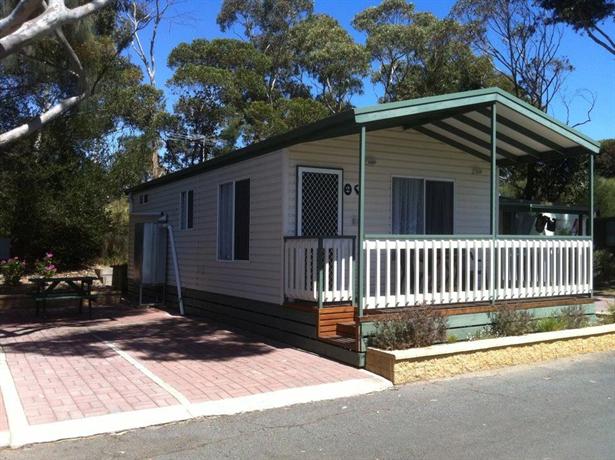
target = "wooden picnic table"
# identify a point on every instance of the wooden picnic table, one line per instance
(72, 287)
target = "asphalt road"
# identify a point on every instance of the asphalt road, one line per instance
(558, 410)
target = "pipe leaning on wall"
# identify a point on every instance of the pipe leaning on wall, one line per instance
(178, 283)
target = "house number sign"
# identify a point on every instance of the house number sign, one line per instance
(348, 189)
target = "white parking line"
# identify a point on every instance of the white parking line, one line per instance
(149, 374)
(18, 423)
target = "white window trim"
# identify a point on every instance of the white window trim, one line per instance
(232, 259)
(340, 209)
(424, 179)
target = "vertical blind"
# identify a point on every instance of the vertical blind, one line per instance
(422, 206)
(234, 221)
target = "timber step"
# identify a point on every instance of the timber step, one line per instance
(348, 343)
(329, 317)
(348, 328)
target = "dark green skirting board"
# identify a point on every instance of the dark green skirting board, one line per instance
(462, 326)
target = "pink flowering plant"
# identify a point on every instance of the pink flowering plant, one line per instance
(12, 270)
(46, 266)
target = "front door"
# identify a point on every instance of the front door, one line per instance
(319, 202)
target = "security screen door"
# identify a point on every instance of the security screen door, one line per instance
(319, 202)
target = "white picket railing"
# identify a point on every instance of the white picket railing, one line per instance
(543, 267)
(406, 271)
(403, 272)
(302, 266)
(423, 271)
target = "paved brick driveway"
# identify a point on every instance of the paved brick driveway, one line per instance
(128, 359)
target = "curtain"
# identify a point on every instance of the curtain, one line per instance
(407, 208)
(439, 207)
(225, 222)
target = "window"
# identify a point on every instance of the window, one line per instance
(143, 198)
(234, 220)
(186, 210)
(421, 206)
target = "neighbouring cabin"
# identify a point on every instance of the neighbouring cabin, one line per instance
(307, 235)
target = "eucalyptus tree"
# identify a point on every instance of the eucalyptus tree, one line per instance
(587, 16)
(416, 54)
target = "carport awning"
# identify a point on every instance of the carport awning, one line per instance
(463, 120)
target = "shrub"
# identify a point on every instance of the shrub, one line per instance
(573, 317)
(604, 267)
(46, 266)
(415, 327)
(507, 320)
(609, 318)
(12, 270)
(551, 323)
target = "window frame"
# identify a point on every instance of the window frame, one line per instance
(184, 208)
(232, 259)
(424, 179)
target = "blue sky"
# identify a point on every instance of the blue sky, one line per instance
(594, 67)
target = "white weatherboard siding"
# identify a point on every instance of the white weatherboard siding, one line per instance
(260, 277)
(396, 153)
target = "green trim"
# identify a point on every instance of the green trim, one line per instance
(383, 115)
(473, 139)
(451, 142)
(477, 125)
(361, 225)
(320, 263)
(382, 236)
(494, 198)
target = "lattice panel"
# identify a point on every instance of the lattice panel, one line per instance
(320, 204)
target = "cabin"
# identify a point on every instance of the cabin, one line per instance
(309, 236)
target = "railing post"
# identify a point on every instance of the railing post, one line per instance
(590, 230)
(320, 266)
(494, 201)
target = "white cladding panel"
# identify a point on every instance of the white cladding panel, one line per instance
(260, 278)
(395, 152)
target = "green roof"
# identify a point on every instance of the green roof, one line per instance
(380, 116)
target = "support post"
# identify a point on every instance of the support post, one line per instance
(590, 222)
(359, 301)
(320, 264)
(494, 202)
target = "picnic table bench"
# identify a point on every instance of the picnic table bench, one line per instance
(73, 287)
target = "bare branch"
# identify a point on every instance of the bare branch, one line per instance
(55, 16)
(20, 14)
(40, 121)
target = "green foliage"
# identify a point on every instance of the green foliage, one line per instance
(609, 317)
(605, 196)
(46, 266)
(115, 240)
(605, 162)
(549, 324)
(12, 270)
(507, 320)
(417, 54)
(414, 327)
(329, 55)
(604, 267)
(573, 317)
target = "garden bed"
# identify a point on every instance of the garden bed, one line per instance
(447, 360)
